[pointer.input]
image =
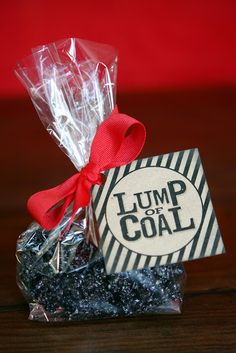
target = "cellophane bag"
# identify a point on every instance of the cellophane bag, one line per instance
(72, 84)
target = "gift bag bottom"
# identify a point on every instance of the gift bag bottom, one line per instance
(79, 289)
(91, 294)
(38, 313)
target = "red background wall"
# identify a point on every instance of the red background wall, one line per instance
(161, 44)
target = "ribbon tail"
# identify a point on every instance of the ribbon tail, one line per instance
(48, 206)
(81, 199)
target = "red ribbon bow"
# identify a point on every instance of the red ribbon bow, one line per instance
(118, 141)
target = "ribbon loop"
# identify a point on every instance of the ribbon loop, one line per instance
(118, 141)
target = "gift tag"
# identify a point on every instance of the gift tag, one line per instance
(156, 211)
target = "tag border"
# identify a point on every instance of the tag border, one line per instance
(199, 248)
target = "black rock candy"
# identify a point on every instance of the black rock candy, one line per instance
(67, 280)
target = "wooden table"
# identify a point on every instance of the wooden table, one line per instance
(31, 161)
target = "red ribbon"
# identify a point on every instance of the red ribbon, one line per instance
(118, 141)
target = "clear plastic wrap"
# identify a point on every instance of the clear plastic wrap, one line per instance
(72, 84)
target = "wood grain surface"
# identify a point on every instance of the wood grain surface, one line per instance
(31, 161)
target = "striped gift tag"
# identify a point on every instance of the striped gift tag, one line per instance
(156, 211)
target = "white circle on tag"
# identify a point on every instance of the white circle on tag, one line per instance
(154, 211)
